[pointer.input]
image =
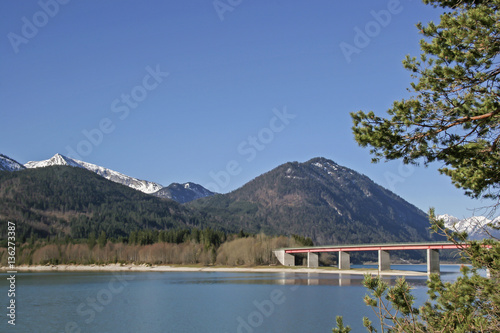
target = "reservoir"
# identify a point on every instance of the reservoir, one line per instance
(219, 302)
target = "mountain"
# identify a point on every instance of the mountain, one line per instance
(141, 185)
(73, 201)
(476, 226)
(179, 192)
(183, 193)
(8, 164)
(320, 199)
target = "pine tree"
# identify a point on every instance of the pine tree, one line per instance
(470, 304)
(454, 113)
(91, 241)
(454, 118)
(102, 239)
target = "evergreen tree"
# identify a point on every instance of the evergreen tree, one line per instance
(91, 241)
(454, 117)
(102, 239)
(454, 114)
(470, 304)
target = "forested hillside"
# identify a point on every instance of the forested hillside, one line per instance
(322, 200)
(75, 202)
(319, 199)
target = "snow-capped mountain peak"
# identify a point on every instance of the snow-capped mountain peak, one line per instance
(8, 164)
(476, 226)
(138, 184)
(57, 159)
(179, 192)
(449, 220)
(183, 192)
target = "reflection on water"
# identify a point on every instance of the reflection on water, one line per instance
(193, 301)
(448, 273)
(317, 279)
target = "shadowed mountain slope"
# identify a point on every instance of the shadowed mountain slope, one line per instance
(322, 200)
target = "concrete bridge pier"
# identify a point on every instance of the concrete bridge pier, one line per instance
(284, 258)
(344, 260)
(312, 259)
(433, 261)
(286, 255)
(384, 260)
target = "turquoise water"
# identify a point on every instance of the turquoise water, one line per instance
(190, 302)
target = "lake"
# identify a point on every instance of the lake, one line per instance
(191, 301)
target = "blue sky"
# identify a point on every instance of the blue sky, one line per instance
(213, 92)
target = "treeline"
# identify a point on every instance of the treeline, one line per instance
(207, 236)
(198, 247)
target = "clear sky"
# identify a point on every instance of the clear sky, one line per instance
(213, 92)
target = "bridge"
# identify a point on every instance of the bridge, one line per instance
(286, 256)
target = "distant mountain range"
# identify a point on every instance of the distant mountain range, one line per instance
(181, 193)
(319, 198)
(476, 227)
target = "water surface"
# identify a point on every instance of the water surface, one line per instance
(191, 301)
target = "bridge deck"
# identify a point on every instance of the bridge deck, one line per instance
(286, 255)
(375, 247)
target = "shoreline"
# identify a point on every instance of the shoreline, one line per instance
(167, 268)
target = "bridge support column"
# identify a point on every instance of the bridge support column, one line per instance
(284, 258)
(344, 260)
(312, 259)
(432, 261)
(384, 260)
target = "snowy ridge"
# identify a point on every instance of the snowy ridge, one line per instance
(183, 192)
(179, 192)
(8, 164)
(57, 159)
(199, 190)
(329, 166)
(476, 226)
(117, 177)
(138, 184)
